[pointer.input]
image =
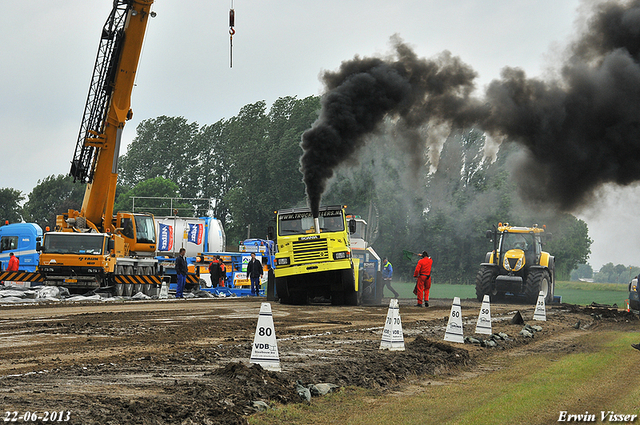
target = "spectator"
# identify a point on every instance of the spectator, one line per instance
(181, 271)
(14, 263)
(254, 273)
(422, 274)
(214, 272)
(223, 273)
(387, 275)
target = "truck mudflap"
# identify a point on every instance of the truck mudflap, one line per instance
(137, 279)
(21, 276)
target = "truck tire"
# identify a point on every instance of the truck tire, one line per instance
(349, 284)
(485, 283)
(537, 280)
(282, 290)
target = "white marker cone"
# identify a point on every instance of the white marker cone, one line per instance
(484, 318)
(541, 312)
(392, 337)
(265, 347)
(454, 331)
(164, 291)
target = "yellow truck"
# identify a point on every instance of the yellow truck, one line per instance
(313, 258)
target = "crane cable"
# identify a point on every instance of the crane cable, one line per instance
(232, 31)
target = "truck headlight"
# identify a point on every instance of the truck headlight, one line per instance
(340, 255)
(284, 261)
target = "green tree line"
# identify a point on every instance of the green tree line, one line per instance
(441, 199)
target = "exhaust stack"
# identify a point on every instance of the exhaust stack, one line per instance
(316, 223)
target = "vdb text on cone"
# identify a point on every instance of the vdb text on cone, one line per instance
(484, 318)
(265, 347)
(540, 312)
(454, 332)
(392, 336)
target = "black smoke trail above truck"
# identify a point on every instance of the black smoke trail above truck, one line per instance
(366, 90)
(579, 130)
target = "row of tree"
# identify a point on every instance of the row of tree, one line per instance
(607, 273)
(440, 199)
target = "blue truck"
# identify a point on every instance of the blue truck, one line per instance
(21, 239)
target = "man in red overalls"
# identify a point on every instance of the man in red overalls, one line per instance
(14, 263)
(423, 276)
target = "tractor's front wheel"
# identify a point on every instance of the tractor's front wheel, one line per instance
(537, 281)
(485, 282)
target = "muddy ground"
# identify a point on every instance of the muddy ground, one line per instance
(187, 361)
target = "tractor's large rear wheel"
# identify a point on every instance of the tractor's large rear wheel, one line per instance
(485, 282)
(537, 280)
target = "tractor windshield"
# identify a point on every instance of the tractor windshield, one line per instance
(523, 241)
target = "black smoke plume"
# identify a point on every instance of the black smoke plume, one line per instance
(579, 131)
(364, 91)
(582, 130)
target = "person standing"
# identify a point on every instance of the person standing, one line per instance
(214, 272)
(223, 273)
(422, 274)
(387, 275)
(14, 263)
(254, 273)
(181, 271)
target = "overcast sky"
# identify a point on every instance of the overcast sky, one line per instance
(280, 48)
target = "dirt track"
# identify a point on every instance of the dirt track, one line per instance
(188, 361)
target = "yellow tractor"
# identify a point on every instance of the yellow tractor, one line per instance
(517, 265)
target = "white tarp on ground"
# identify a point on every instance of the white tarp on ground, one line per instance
(12, 294)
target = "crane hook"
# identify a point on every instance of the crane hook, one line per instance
(232, 31)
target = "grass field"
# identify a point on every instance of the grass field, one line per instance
(534, 389)
(580, 293)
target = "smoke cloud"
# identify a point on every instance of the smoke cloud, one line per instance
(579, 131)
(366, 90)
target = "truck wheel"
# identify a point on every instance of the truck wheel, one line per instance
(350, 298)
(350, 295)
(282, 290)
(485, 283)
(537, 280)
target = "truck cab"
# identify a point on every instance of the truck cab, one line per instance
(314, 258)
(21, 239)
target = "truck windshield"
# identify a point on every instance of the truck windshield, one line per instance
(145, 229)
(302, 222)
(74, 243)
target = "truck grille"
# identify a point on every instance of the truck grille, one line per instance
(311, 250)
